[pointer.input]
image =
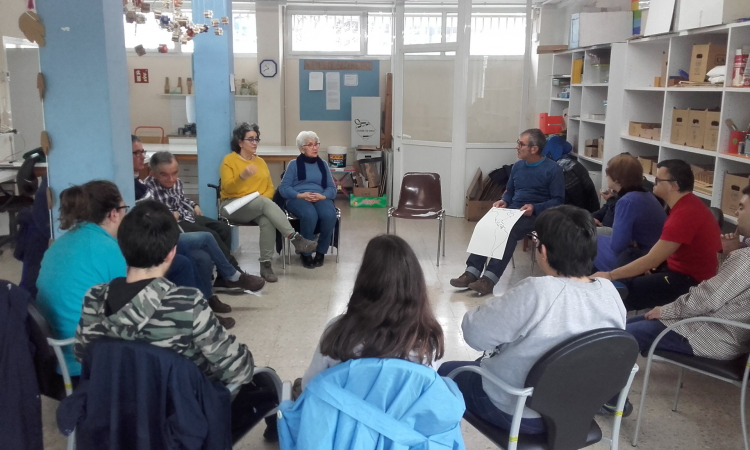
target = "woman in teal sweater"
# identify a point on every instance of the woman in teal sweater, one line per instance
(81, 258)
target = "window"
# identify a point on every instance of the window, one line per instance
(149, 34)
(423, 29)
(325, 33)
(379, 34)
(244, 36)
(492, 34)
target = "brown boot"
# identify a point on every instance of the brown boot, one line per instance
(464, 280)
(482, 286)
(247, 282)
(266, 271)
(217, 306)
(226, 322)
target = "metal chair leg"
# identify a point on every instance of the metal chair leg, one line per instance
(643, 400)
(338, 248)
(743, 391)
(283, 252)
(513, 261)
(440, 238)
(444, 234)
(679, 386)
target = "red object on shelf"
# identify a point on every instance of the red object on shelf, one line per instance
(550, 124)
(735, 138)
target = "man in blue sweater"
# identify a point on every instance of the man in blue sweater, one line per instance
(536, 184)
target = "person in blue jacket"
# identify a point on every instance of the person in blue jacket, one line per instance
(639, 218)
(309, 191)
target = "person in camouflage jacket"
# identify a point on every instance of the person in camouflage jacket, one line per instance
(168, 316)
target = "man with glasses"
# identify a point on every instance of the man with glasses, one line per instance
(686, 253)
(536, 183)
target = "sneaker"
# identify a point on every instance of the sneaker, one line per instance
(266, 272)
(247, 282)
(307, 261)
(610, 410)
(217, 306)
(482, 286)
(302, 245)
(464, 280)
(318, 260)
(226, 322)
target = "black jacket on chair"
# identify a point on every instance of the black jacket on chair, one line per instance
(136, 396)
(21, 411)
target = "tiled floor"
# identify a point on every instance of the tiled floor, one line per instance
(282, 325)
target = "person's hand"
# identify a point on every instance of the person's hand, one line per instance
(499, 204)
(197, 210)
(249, 171)
(527, 209)
(176, 215)
(654, 314)
(308, 196)
(319, 197)
(606, 195)
(730, 242)
(604, 275)
(597, 223)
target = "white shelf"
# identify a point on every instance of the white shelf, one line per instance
(577, 119)
(587, 158)
(695, 89)
(730, 219)
(557, 99)
(597, 121)
(685, 148)
(646, 89)
(702, 195)
(737, 89)
(561, 76)
(732, 157)
(595, 84)
(641, 140)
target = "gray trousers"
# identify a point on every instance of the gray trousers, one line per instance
(269, 218)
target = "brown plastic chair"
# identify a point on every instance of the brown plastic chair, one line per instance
(421, 198)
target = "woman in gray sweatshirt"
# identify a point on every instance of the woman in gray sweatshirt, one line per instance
(517, 328)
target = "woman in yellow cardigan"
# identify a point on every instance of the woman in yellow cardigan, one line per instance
(242, 173)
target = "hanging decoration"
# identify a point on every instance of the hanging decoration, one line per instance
(170, 17)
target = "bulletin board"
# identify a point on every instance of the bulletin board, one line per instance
(312, 104)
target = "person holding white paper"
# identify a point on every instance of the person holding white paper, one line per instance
(536, 184)
(244, 172)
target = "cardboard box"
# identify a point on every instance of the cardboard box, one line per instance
(577, 74)
(732, 192)
(696, 133)
(679, 129)
(645, 130)
(365, 192)
(594, 148)
(368, 202)
(706, 57)
(713, 124)
(476, 209)
(648, 163)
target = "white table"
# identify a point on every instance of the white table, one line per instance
(189, 152)
(7, 176)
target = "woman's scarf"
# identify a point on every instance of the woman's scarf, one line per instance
(302, 170)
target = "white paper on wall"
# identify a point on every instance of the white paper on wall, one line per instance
(316, 81)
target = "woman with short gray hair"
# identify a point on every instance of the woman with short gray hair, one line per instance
(309, 191)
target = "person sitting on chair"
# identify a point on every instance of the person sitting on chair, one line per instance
(536, 183)
(639, 218)
(579, 189)
(309, 191)
(689, 244)
(535, 315)
(388, 315)
(243, 172)
(145, 306)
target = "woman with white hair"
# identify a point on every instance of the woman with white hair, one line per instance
(309, 191)
(242, 173)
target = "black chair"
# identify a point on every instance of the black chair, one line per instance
(734, 371)
(10, 203)
(718, 215)
(567, 386)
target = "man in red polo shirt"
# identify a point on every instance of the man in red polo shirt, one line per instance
(689, 244)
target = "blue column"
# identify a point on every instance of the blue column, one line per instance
(213, 63)
(86, 105)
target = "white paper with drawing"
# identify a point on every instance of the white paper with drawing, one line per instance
(240, 202)
(492, 231)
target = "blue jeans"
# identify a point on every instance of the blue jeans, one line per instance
(201, 244)
(496, 267)
(312, 215)
(478, 402)
(645, 332)
(182, 272)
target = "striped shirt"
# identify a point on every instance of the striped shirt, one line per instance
(725, 296)
(173, 197)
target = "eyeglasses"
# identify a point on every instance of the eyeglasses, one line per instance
(256, 140)
(311, 145)
(535, 238)
(520, 144)
(139, 152)
(669, 180)
(125, 207)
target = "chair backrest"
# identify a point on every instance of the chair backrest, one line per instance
(718, 215)
(421, 190)
(575, 378)
(26, 182)
(45, 362)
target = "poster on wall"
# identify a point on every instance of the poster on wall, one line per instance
(333, 91)
(140, 75)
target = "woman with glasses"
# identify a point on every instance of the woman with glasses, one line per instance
(243, 172)
(309, 192)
